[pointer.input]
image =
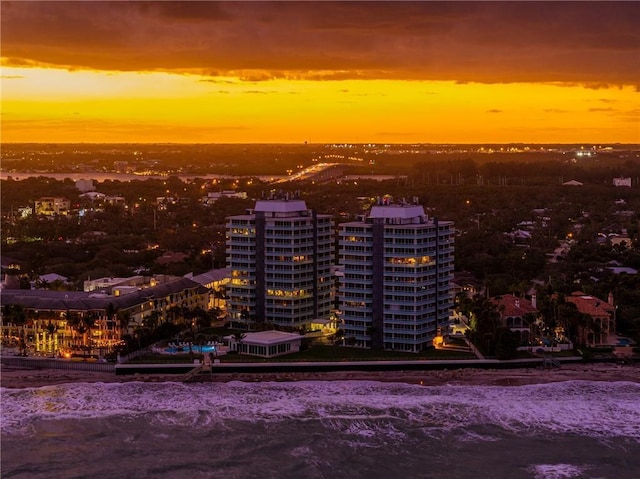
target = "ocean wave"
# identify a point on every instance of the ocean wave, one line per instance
(361, 408)
(557, 471)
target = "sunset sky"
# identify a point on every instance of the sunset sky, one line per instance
(266, 72)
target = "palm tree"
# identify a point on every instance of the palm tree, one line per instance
(75, 323)
(174, 312)
(202, 317)
(218, 294)
(124, 318)
(89, 320)
(338, 336)
(486, 321)
(141, 331)
(215, 312)
(188, 316)
(189, 337)
(464, 303)
(244, 316)
(16, 315)
(200, 340)
(573, 322)
(151, 321)
(51, 329)
(530, 320)
(110, 311)
(82, 324)
(238, 337)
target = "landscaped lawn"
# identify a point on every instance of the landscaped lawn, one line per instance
(342, 353)
(314, 353)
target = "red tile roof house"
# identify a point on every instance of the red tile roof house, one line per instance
(602, 331)
(512, 310)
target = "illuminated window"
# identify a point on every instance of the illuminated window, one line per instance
(420, 260)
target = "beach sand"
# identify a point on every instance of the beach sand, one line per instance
(26, 378)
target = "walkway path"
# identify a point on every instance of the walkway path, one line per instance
(474, 349)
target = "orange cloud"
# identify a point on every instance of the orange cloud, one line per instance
(492, 42)
(441, 72)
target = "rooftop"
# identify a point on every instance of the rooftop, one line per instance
(590, 305)
(510, 305)
(270, 337)
(280, 206)
(397, 211)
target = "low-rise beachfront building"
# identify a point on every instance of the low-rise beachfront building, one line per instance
(265, 344)
(396, 288)
(50, 322)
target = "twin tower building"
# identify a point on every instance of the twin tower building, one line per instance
(390, 289)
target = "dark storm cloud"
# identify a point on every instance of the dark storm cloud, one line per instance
(186, 11)
(579, 42)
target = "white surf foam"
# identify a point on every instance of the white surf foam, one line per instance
(594, 409)
(557, 471)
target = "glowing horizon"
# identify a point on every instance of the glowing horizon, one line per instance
(352, 76)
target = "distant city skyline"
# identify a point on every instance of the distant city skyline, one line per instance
(322, 72)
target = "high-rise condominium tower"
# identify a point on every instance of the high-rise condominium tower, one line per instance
(280, 255)
(398, 267)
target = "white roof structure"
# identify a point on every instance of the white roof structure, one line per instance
(280, 206)
(396, 211)
(269, 338)
(93, 195)
(210, 276)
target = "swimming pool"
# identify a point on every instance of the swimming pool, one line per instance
(194, 348)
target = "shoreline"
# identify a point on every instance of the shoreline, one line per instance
(18, 378)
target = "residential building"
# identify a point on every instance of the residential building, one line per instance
(622, 240)
(212, 197)
(466, 283)
(85, 186)
(517, 314)
(216, 280)
(93, 196)
(51, 205)
(75, 320)
(115, 200)
(24, 212)
(396, 289)
(622, 182)
(106, 285)
(280, 255)
(601, 328)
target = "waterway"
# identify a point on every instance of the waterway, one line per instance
(100, 177)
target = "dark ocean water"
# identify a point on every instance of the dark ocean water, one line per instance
(342, 429)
